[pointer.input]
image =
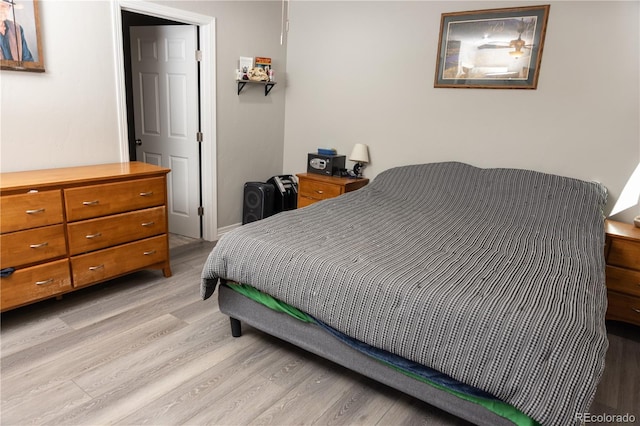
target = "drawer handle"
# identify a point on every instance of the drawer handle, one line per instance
(39, 245)
(91, 203)
(90, 236)
(149, 253)
(319, 191)
(35, 211)
(44, 282)
(636, 310)
(95, 268)
(148, 224)
(146, 194)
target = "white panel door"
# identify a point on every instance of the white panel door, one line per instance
(165, 96)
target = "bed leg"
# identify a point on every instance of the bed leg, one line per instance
(236, 327)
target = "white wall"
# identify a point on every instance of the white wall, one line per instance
(250, 125)
(355, 72)
(68, 115)
(363, 72)
(65, 116)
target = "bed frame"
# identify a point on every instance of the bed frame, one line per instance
(314, 339)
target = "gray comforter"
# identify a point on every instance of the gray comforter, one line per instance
(492, 276)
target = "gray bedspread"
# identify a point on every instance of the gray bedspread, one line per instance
(492, 276)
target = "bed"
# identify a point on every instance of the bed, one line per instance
(479, 291)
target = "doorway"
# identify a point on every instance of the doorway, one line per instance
(163, 111)
(133, 13)
(132, 19)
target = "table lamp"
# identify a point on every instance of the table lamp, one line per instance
(360, 155)
(630, 195)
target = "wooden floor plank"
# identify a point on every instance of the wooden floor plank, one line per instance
(44, 404)
(116, 404)
(38, 332)
(114, 326)
(264, 391)
(204, 399)
(161, 295)
(409, 411)
(83, 359)
(174, 351)
(362, 403)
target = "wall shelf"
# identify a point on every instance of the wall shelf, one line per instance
(268, 85)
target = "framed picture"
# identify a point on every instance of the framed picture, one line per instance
(20, 44)
(491, 49)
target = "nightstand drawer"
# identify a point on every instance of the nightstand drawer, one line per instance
(33, 245)
(109, 263)
(623, 308)
(101, 200)
(314, 187)
(623, 280)
(30, 210)
(304, 201)
(94, 234)
(35, 283)
(624, 253)
(319, 190)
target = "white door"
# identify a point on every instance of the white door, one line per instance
(165, 96)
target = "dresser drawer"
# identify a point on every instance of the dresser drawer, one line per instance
(100, 212)
(102, 200)
(35, 283)
(623, 280)
(108, 263)
(624, 253)
(30, 210)
(304, 201)
(623, 308)
(319, 190)
(94, 234)
(33, 245)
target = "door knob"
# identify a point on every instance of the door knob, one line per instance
(138, 142)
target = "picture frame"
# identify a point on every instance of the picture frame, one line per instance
(492, 48)
(20, 33)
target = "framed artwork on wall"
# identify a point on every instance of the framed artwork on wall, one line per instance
(20, 43)
(491, 49)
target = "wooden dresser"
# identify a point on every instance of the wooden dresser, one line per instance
(313, 187)
(622, 252)
(63, 229)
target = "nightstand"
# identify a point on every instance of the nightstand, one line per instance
(313, 187)
(622, 253)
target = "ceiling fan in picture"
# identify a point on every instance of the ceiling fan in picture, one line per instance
(517, 45)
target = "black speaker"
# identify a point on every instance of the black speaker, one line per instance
(258, 201)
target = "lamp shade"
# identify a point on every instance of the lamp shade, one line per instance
(630, 193)
(360, 153)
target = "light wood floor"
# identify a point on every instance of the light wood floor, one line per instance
(146, 350)
(176, 240)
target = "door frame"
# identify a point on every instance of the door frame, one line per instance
(207, 92)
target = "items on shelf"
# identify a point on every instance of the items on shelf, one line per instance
(258, 69)
(261, 72)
